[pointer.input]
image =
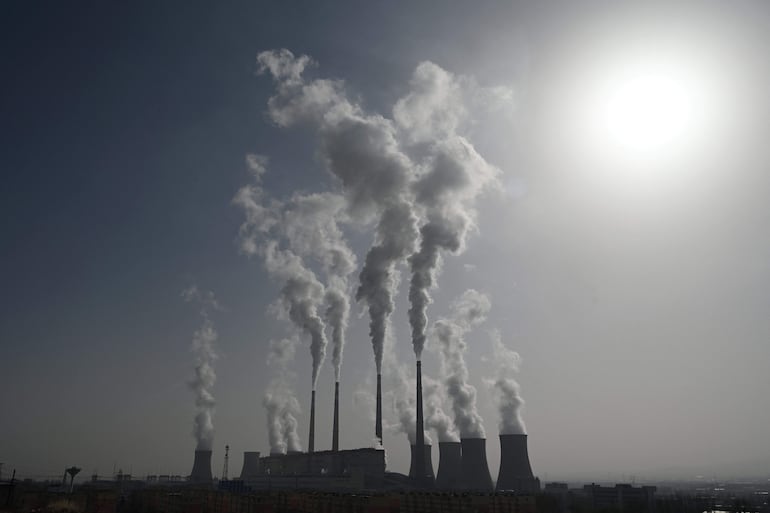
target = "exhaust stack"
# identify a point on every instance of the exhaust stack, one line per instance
(336, 426)
(449, 464)
(201, 471)
(311, 436)
(474, 473)
(251, 468)
(419, 460)
(378, 420)
(515, 470)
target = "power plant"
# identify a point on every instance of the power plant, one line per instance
(311, 436)
(427, 479)
(251, 468)
(336, 426)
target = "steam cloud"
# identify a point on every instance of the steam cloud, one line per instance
(279, 401)
(505, 389)
(306, 225)
(205, 377)
(414, 178)
(469, 310)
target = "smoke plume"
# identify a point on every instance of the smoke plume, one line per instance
(205, 377)
(469, 310)
(435, 418)
(266, 225)
(281, 406)
(361, 151)
(446, 192)
(505, 390)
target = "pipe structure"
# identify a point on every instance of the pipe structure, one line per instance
(515, 469)
(449, 463)
(378, 420)
(251, 468)
(419, 460)
(336, 426)
(201, 471)
(474, 473)
(311, 436)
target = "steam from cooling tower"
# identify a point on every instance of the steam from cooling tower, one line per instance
(435, 417)
(205, 377)
(505, 390)
(467, 311)
(279, 401)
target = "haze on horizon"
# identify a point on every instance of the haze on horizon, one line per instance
(616, 235)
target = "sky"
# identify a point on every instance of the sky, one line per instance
(629, 271)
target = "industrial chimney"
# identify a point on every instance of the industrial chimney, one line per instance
(515, 470)
(419, 460)
(449, 464)
(336, 426)
(251, 467)
(474, 473)
(428, 478)
(378, 421)
(311, 436)
(201, 471)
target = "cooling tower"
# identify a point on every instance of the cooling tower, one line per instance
(515, 470)
(378, 421)
(474, 471)
(420, 471)
(449, 464)
(311, 436)
(429, 477)
(251, 467)
(336, 426)
(201, 471)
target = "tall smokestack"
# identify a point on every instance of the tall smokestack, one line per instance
(428, 477)
(419, 459)
(201, 471)
(336, 426)
(378, 420)
(311, 437)
(474, 473)
(515, 470)
(251, 468)
(449, 464)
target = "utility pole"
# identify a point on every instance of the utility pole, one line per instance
(227, 459)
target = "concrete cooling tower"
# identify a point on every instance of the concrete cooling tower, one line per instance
(449, 464)
(429, 477)
(251, 468)
(201, 471)
(474, 473)
(515, 470)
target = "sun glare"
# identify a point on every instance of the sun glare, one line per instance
(643, 111)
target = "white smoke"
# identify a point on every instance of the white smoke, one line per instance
(505, 390)
(453, 177)
(435, 417)
(362, 152)
(467, 311)
(205, 377)
(268, 222)
(281, 406)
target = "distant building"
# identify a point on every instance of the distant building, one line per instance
(621, 497)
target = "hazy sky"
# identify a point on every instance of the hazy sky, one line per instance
(633, 281)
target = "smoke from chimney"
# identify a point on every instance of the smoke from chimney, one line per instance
(279, 401)
(205, 377)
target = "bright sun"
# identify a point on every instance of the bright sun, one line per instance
(647, 111)
(644, 112)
